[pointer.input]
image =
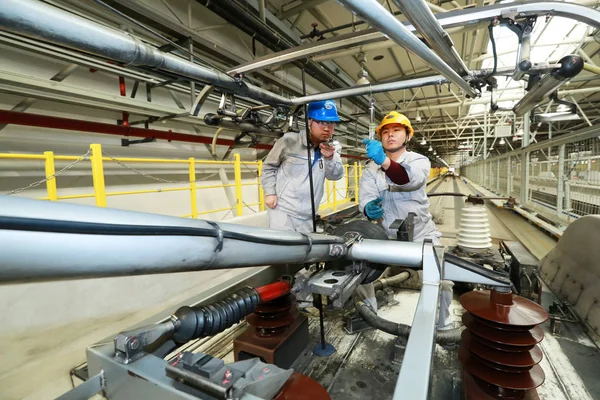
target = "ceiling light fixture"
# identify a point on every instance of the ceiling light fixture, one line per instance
(430, 148)
(502, 142)
(362, 74)
(423, 142)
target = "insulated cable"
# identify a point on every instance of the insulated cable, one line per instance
(94, 228)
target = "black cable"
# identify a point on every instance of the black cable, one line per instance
(95, 228)
(491, 32)
(308, 145)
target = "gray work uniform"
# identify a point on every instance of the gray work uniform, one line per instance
(285, 174)
(399, 200)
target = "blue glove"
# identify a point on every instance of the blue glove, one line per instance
(375, 151)
(373, 209)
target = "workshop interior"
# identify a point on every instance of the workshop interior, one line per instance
(142, 144)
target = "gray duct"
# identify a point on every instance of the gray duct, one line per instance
(420, 15)
(375, 14)
(40, 21)
(571, 65)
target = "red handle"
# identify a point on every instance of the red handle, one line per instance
(272, 291)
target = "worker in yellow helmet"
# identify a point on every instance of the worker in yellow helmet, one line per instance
(394, 183)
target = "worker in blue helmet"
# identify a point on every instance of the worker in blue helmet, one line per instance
(285, 178)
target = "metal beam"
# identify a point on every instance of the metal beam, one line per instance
(379, 17)
(35, 20)
(422, 18)
(305, 5)
(461, 18)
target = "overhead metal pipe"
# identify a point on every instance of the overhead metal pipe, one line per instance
(40, 21)
(451, 19)
(419, 13)
(379, 17)
(388, 86)
(541, 91)
(44, 241)
(376, 88)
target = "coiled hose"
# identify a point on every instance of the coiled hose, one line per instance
(207, 320)
(443, 337)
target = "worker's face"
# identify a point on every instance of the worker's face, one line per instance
(393, 136)
(321, 131)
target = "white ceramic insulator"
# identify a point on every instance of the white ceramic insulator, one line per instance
(474, 230)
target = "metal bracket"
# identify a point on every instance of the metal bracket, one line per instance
(87, 389)
(339, 286)
(460, 270)
(131, 345)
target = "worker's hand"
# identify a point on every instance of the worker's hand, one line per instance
(271, 201)
(375, 151)
(327, 151)
(373, 209)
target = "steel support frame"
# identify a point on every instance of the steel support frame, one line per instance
(447, 20)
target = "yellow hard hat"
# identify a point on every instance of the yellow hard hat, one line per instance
(395, 117)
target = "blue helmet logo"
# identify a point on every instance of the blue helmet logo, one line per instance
(324, 110)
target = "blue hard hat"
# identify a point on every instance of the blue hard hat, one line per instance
(324, 110)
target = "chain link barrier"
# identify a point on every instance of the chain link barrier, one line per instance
(84, 157)
(152, 177)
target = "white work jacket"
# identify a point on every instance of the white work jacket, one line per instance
(399, 200)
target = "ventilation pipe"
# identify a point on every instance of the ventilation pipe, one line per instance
(419, 14)
(40, 21)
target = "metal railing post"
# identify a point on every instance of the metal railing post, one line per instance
(508, 176)
(524, 177)
(261, 192)
(237, 168)
(560, 184)
(497, 176)
(347, 178)
(51, 182)
(355, 182)
(193, 187)
(98, 175)
(334, 196)
(327, 191)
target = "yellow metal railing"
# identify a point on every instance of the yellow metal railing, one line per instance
(97, 159)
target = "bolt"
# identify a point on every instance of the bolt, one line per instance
(134, 344)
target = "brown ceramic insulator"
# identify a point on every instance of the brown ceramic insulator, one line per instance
(523, 359)
(503, 308)
(528, 380)
(272, 318)
(503, 327)
(301, 387)
(476, 389)
(501, 347)
(514, 338)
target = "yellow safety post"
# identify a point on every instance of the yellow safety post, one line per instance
(51, 182)
(334, 196)
(261, 192)
(193, 187)
(327, 191)
(237, 170)
(98, 175)
(355, 182)
(347, 179)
